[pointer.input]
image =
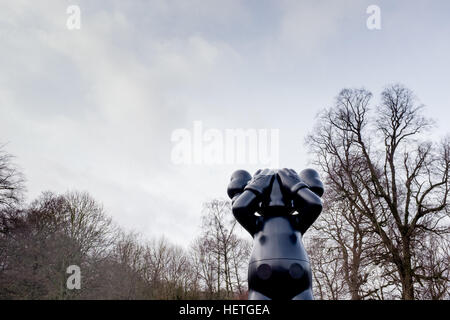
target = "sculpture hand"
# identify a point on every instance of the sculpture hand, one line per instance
(261, 182)
(290, 181)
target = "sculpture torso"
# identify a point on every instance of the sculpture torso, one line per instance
(278, 240)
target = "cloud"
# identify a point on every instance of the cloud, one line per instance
(94, 109)
(86, 110)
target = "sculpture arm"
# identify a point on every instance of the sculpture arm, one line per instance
(305, 190)
(244, 207)
(308, 206)
(245, 193)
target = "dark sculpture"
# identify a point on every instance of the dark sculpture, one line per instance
(277, 207)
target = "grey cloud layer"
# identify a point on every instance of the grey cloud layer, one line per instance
(94, 109)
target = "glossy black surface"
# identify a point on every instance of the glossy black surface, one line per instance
(286, 204)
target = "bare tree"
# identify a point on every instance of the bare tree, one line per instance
(383, 167)
(325, 259)
(11, 181)
(127, 266)
(35, 260)
(42, 241)
(203, 263)
(433, 261)
(221, 250)
(39, 243)
(341, 249)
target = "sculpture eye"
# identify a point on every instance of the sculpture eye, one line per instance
(294, 213)
(257, 214)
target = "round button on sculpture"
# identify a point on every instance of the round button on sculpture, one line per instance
(277, 207)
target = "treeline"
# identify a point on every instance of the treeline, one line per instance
(39, 241)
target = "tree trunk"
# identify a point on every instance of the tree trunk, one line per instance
(407, 276)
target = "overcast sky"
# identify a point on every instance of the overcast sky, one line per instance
(94, 109)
